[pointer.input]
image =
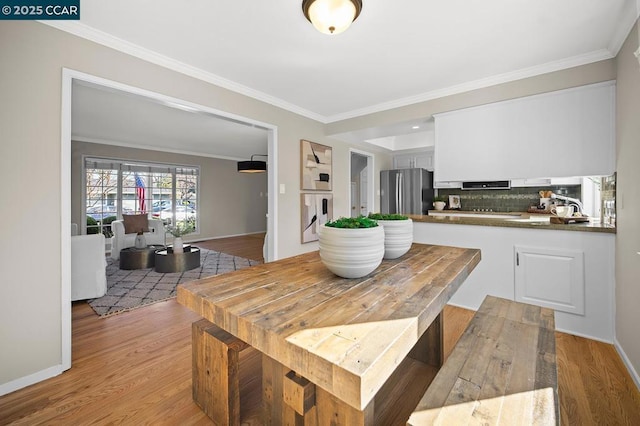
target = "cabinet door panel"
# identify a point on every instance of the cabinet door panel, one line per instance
(550, 278)
(403, 162)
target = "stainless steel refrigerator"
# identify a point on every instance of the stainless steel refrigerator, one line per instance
(406, 191)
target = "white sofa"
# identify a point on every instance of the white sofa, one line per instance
(120, 240)
(88, 267)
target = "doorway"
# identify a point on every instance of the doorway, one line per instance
(361, 191)
(69, 77)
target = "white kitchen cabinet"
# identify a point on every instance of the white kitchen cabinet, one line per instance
(420, 160)
(495, 273)
(550, 278)
(563, 133)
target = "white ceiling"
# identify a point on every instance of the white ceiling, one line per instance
(114, 117)
(396, 53)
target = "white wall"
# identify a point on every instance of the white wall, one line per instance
(628, 204)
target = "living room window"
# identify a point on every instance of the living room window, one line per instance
(117, 187)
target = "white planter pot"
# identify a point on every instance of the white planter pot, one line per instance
(439, 205)
(351, 253)
(178, 246)
(398, 237)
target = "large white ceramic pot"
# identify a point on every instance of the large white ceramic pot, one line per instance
(398, 237)
(351, 253)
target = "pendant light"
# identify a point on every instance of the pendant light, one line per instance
(253, 166)
(331, 16)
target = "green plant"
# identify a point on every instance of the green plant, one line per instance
(352, 222)
(440, 198)
(386, 216)
(92, 226)
(181, 228)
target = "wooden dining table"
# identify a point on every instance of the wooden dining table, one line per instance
(363, 348)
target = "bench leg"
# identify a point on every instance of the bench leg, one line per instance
(224, 369)
(430, 347)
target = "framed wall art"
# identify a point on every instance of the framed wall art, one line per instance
(315, 166)
(316, 209)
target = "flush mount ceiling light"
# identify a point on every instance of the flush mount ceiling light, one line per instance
(331, 16)
(253, 166)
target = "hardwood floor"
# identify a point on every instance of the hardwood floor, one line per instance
(135, 368)
(247, 246)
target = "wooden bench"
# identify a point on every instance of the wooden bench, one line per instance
(502, 371)
(227, 375)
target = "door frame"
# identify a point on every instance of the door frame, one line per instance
(370, 192)
(68, 76)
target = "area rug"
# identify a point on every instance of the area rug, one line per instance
(127, 290)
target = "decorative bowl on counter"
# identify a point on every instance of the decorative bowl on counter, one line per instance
(351, 252)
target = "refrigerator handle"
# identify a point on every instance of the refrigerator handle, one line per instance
(395, 208)
(400, 209)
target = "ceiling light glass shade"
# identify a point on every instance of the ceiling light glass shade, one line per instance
(331, 16)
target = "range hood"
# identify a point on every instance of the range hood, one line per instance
(492, 184)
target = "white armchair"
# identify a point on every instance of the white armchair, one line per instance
(120, 240)
(88, 267)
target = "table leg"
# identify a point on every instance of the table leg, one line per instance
(289, 399)
(226, 374)
(430, 346)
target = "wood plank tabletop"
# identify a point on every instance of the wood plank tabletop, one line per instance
(345, 335)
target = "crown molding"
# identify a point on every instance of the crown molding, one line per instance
(100, 37)
(87, 139)
(574, 61)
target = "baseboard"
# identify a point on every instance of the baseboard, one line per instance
(584, 336)
(627, 363)
(195, 240)
(31, 379)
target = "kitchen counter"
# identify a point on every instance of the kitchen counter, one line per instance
(515, 220)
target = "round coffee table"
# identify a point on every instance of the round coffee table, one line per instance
(177, 262)
(135, 258)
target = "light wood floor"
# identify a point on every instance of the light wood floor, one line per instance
(135, 368)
